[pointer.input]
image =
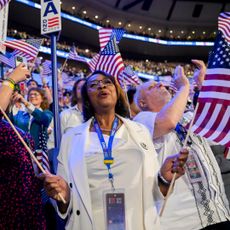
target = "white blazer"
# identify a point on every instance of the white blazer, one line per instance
(72, 168)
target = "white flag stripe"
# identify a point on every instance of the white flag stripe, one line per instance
(216, 83)
(218, 71)
(211, 120)
(222, 125)
(217, 95)
(202, 116)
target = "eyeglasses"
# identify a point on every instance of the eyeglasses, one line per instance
(94, 84)
(34, 94)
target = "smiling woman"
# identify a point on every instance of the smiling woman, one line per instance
(99, 90)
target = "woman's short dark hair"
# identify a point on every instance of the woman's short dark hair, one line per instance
(32, 80)
(45, 103)
(121, 107)
(74, 99)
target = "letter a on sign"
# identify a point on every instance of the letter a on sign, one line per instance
(50, 16)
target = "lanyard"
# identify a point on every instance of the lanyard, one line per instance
(107, 151)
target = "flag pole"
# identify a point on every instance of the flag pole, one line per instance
(63, 66)
(126, 96)
(174, 175)
(28, 149)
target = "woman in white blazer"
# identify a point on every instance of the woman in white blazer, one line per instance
(108, 171)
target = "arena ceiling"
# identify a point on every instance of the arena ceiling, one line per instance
(159, 15)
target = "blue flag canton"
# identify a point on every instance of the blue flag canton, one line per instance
(111, 48)
(34, 42)
(118, 33)
(220, 56)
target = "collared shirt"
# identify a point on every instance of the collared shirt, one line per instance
(70, 118)
(190, 207)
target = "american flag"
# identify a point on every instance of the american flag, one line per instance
(8, 59)
(47, 68)
(224, 25)
(25, 48)
(212, 120)
(128, 77)
(42, 151)
(73, 55)
(93, 62)
(106, 34)
(109, 60)
(3, 3)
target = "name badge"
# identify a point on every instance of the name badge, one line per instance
(115, 209)
(194, 167)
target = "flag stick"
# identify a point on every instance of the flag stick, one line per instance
(63, 66)
(28, 149)
(174, 175)
(126, 96)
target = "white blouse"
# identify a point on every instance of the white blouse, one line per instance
(127, 172)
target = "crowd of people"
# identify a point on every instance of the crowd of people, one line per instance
(151, 67)
(117, 147)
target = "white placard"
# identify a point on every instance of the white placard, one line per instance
(3, 26)
(50, 16)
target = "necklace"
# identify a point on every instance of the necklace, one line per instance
(107, 130)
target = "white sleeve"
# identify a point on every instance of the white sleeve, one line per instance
(147, 119)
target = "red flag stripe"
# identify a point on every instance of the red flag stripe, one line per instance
(23, 47)
(216, 88)
(53, 19)
(216, 122)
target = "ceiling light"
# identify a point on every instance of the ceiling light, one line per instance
(193, 32)
(170, 31)
(84, 12)
(159, 31)
(107, 21)
(204, 32)
(87, 50)
(96, 16)
(140, 27)
(119, 23)
(182, 31)
(73, 8)
(129, 25)
(149, 29)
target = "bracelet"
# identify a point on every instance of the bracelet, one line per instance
(11, 80)
(162, 179)
(9, 84)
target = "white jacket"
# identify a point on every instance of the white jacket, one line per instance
(72, 168)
